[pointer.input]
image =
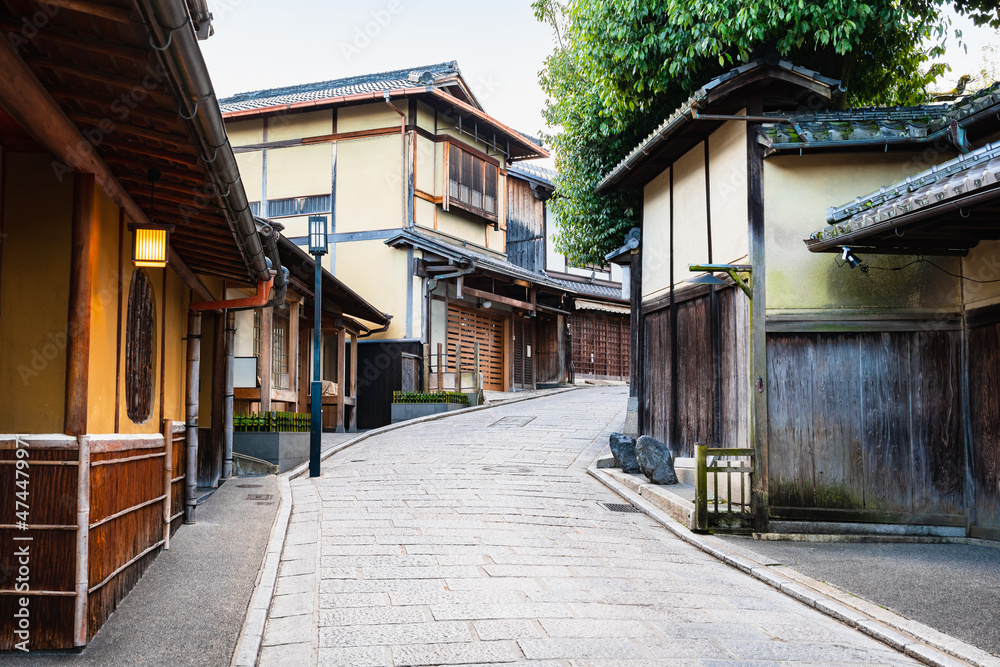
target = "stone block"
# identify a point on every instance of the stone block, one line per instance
(623, 449)
(655, 460)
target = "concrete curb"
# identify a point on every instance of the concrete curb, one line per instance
(252, 634)
(916, 640)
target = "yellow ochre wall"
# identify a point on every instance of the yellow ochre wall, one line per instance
(379, 274)
(34, 302)
(797, 191)
(34, 294)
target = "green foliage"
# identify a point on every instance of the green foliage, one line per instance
(272, 422)
(621, 66)
(430, 397)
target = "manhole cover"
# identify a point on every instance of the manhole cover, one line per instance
(258, 496)
(512, 422)
(622, 507)
(517, 470)
(249, 486)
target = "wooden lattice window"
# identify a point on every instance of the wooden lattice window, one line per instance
(472, 183)
(139, 339)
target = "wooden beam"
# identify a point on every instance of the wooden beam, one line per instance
(50, 34)
(38, 113)
(353, 425)
(490, 296)
(266, 340)
(100, 9)
(341, 368)
(120, 128)
(78, 329)
(116, 81)
(294, 350)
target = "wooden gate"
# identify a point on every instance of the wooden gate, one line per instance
(600, 346)
(722, 494)
(524, 354)
(465, 329)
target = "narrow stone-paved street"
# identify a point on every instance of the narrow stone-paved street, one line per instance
(480, 539)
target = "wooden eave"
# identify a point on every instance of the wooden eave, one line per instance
(96, 61)
(776, 87)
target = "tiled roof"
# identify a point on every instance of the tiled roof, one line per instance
(694, 102)
(492, 263)
(961, 176)
(892, 125)
(588, 289)
(365, 83)
(534, 171)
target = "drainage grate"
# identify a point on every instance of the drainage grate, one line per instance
(512, 422)
(258, 496)
(249, 486)
(622, 507)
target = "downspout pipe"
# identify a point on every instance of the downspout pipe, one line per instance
(172, 34)
(383, 329)
(270, 236)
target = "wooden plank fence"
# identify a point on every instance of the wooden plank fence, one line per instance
(95, 512)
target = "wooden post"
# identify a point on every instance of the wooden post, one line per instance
(341, 372)
(227, 424)
(701, 487)
(82, 540)
(440, 371)
(78, 321)
(758, 314)
(458, 363)
(168, 475)
(353, 426)
(293, 350)
(477, 383)
(426, 363)
(266, 343)
(193, 382)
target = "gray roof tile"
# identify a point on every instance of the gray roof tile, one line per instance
(953, 179)
(365, 83)
(889, 125)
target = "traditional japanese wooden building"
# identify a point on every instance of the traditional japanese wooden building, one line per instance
(863, 379)
(590, 340)
(124, 225)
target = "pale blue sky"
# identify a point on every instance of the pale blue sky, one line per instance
(498, 45)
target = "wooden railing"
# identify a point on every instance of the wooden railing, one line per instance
(723, 489)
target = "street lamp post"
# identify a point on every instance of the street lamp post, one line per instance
(317, 247)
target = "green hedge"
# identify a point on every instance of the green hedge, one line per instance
(430, 397)
(272, 422)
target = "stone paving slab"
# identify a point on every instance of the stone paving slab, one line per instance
(454, 542)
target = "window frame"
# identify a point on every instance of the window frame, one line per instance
(468, 157)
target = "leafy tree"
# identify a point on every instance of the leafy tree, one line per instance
(621, 65)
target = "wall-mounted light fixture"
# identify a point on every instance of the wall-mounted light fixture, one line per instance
(485, 304)
(732, 270)
(848, 256)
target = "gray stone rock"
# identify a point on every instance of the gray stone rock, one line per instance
(655, 460)
(623, 449)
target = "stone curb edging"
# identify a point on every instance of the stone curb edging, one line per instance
(252, 634)
(914, 639)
